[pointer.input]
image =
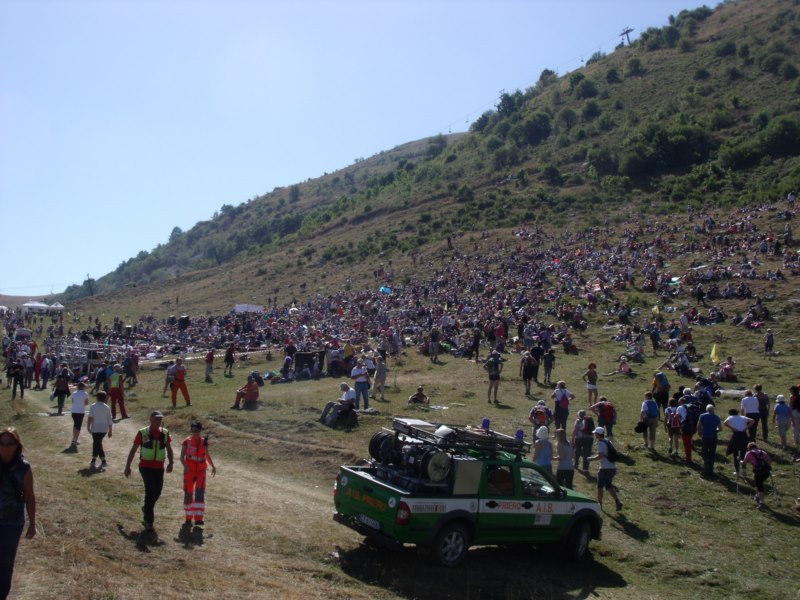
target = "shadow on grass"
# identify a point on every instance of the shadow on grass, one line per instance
(487, 572)
(143, 540)
(89, 471)
(629, 528)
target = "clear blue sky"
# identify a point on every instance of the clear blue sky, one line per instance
(120, 120)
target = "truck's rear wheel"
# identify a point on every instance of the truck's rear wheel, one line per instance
(451, 545)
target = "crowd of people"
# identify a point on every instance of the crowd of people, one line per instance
(524, 296)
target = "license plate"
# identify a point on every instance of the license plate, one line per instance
(369, 521)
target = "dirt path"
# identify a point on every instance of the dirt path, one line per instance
(262, 528)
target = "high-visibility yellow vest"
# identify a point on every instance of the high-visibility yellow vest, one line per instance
(152, 449)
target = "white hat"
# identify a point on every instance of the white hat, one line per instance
(542, 433)
(599, 431)
(780, 398)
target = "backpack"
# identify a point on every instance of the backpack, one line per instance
(540, 416)
(689, 425)
(611, 452)
(610, 413)
(588, 426)
(762, 467)
(663, 382)
(674, 421)
(651, 407)
(763, 402)
(562, 398)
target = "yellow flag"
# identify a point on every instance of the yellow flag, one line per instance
(714, 355)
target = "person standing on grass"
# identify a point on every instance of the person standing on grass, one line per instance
(80, 400)
(209, 360)
(749, 406)
(549, 361)
(494, 367)
(672, 425)
(762, 468)
(606, 415)
(230, 360)
(16, 378)
(195, 458)
(708, 427)
(99, 425)
(782, 418)
(565, 470)
(526, 365)
(661, 387)
(737, 445)
(794, 404)
(651, 417)
(169, 379)
(543, 450)
(582, 438)
(763, 410)
(380, 377)
(360, 376)
(607, 471)
(769, 343)
(561, 398)
(590, 377)
(61, 387)
(16, 498)
(154, 444)
(116, 391)
(180, 384)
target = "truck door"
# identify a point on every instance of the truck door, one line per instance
(543, 507)
(499, 505)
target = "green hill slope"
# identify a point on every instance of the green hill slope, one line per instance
(701, 112)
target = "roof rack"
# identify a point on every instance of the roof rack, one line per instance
(459, 438)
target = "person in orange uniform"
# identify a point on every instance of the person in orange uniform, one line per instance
(180, 383)
(116, 392)
(195, 457)
(248, 392)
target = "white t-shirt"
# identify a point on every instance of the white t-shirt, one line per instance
(100, 413)
(737, 422)
(749, 405)
(359, 374)
(79, 399)
(602, 446)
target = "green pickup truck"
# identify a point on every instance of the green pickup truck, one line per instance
(445, 488)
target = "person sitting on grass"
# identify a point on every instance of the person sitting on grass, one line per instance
(624, 368)
(418, 397)
(249, 393)
(337, 409)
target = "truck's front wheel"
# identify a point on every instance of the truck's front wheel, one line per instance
(451, 545)
(576, 546)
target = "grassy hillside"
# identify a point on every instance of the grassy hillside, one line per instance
(702, 112)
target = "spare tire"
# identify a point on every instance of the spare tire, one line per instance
(381, 446)
(375, 442)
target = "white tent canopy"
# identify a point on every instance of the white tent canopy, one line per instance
(57, 306)
(254, 308)
(35, 306)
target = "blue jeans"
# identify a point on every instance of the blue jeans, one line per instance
(9, 540)
(362, 388)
